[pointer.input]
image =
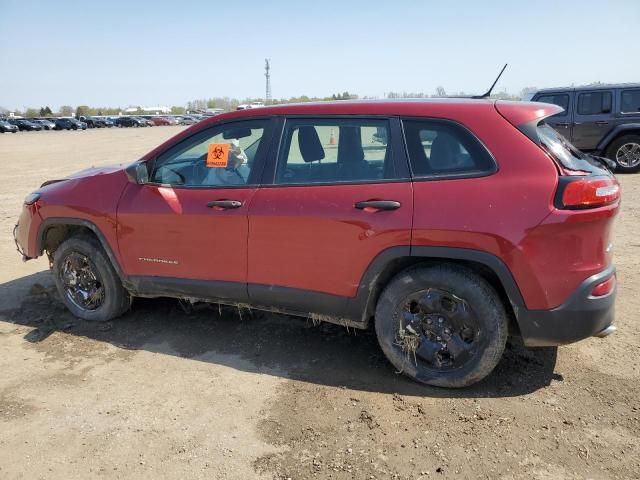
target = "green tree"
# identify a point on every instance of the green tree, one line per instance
(31, 113)
(66, 111)
(177, 110)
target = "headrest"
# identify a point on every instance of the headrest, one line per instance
(445, 151)
(309, 144)
(350, 145)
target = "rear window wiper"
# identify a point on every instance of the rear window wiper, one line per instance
(606, 162)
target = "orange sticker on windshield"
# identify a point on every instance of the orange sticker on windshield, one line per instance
(218, 155)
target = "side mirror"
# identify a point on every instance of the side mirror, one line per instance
(138, 172)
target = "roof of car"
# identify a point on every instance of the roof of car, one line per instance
(603, 86)
(457, 109)
(408, 107)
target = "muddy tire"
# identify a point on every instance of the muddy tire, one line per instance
(441, 325)
(87, 282)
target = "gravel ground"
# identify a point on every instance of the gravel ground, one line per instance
(218, 393)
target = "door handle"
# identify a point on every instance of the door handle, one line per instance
(563, 125)
(602, 122)
(378, 205)
(224, 204)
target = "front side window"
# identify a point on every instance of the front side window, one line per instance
(220, 156)
(630, 102)
(442, 148)
(594, 103)
(335, 150)
(562, 100)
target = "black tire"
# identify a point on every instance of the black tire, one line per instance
(477, 301)
(115, 300)
(616, 145)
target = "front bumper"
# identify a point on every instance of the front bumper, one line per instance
(581, 316)
(25, 231)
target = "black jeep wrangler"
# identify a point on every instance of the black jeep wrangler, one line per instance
(602, 120)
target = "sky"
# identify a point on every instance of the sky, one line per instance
(123, 53)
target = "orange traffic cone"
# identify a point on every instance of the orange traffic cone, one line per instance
(332, 139)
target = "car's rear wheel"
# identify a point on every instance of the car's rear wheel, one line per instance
(441, 325)
(87, 282)
(625, 151)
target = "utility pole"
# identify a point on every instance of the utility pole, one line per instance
(267, 74)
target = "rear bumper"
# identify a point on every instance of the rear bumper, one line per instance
(581, 316)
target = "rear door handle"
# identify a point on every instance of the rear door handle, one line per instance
(224, 204)
(378, 204)
(563, 125)
(602, 122)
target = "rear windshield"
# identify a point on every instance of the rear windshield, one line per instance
(561, 149)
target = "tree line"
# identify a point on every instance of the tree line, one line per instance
(229, 103)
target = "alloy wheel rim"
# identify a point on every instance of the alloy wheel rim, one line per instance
(628, 155)
(82, 284)
(439, 330)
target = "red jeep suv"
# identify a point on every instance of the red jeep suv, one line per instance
(446, 224)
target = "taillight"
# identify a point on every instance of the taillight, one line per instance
(604, 288)
(588, 192)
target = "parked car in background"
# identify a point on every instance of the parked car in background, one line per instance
(126, 121)
(601, 120)
(24, 124)
(96, 122)
(157, 120)
(448, 224)
(6, 127)
(69, 124)
(46, 124)
(186, 120)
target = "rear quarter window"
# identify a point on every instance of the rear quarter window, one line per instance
(441, 148)
(630, 101)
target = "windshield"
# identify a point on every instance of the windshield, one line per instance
(563, 151)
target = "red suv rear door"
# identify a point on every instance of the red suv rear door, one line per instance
(336, 195)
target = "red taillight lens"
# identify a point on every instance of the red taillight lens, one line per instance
(604, 288)
(590, 192)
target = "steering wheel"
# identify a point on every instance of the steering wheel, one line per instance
(180, 176)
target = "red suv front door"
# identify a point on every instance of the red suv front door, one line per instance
(190, 221)
(338, 196)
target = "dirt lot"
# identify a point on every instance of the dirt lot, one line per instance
(225, 394)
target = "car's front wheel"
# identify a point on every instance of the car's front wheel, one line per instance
(441, 325)
(87, 282)
(625, 151)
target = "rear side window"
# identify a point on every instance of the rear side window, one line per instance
(442, 148)
(335, 150)
(594, 103)
(630, 101)
(562, 100)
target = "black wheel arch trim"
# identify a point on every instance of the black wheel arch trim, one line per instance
(618, 131)
(362, 307)
(79, 222)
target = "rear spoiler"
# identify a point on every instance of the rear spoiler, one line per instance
(519, 113)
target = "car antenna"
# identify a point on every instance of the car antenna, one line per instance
(488, 92)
